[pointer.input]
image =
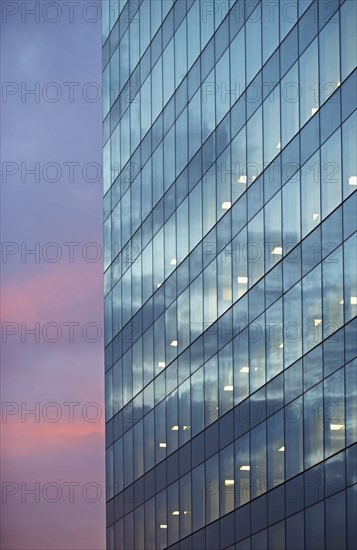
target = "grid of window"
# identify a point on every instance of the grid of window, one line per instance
(230, 273)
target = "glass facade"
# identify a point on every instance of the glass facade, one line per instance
(230, 201)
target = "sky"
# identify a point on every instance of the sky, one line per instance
(52, 459)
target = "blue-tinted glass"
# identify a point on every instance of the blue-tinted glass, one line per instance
(271, 122)
(335, 510)
(314, 527)
(289, 51)
(288, 16)
(294, 529)
(310, 195)
(329, 59)
(258, 470)
(293, 381)
(253, 43)
(294, 447)
(349, 144)
(270, 30)
(308, 64)
(313, 426)
(230, 263)
(308, 26)
(348, 22)
(351, 514)
(331, 173)
(330, 116)
(334, 413)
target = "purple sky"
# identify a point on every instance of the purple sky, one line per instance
(37, 453)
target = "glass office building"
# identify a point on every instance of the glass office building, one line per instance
(230, 198)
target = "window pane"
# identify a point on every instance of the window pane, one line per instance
(226, 387)
(329, 58)
(237, 60)
(276, 449)
(255, 146)
(348, 38)
(331, 174)
(242, 470)
(294, 446)
(212, 489)
(227, 484)
(198, 497)
(350, 262)
(256, 338)
(312, 309)
(332, 272)
(272, 139)
(197, 402)
(258, 460)
(349, 146)
(185, 505)
(334, 413)
(211, 391)
(290, 92)
(270, 16)
(253, 43)
(313, 426)
(309, 101)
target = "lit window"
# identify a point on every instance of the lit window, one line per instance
(227, 294)
(228, 482)
(314, 110)
(352, 180)
(353, 300)
(173, 261)
(228, 388)
(226, 205)
(277, 251)
(282, 449)
(176, 513)
(244, 369)
(163, 526)
(242, 280)
(335, 427)
(162, 445)
(174, 343)
(242, 179)
(174, 428)
(162, 364)
(245, 468)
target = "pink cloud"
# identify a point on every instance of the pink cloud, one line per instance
(54, 293)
